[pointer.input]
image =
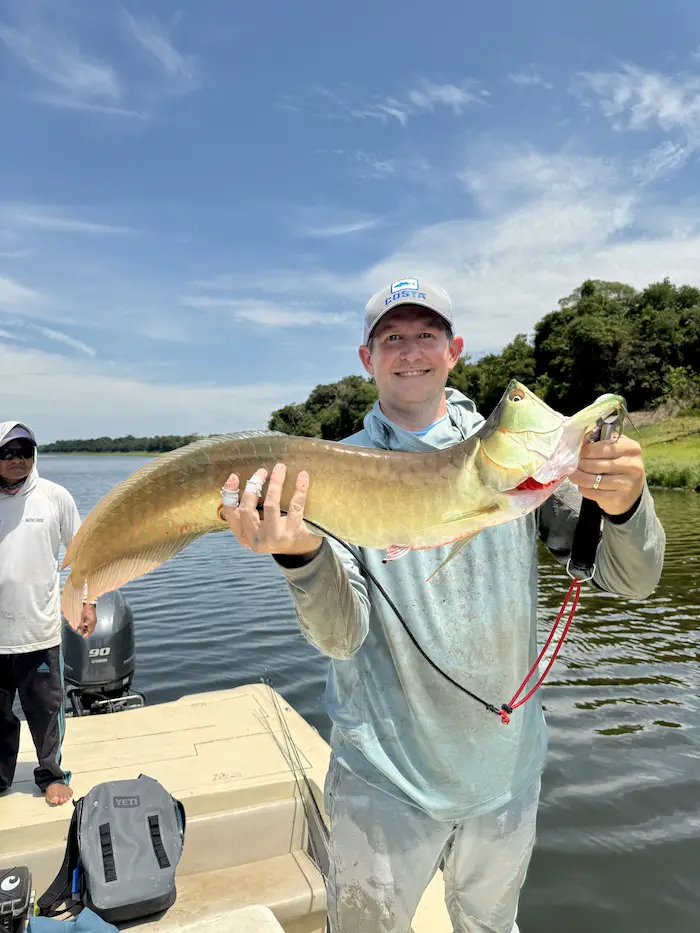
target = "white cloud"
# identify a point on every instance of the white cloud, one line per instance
(65, 397)
(150, 34)
(530, 78)
(339, 229)
(74, 79)
(301, 281)
(636, 99)
(61, 63)
(17, 298)
(264, 313)
(425, 98)
(446, 95)
(50, 220)
(324, 222)
(366, 164)
(60, 337)
(383, 111)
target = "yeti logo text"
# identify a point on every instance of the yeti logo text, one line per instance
(417, 296)
(405, 283)
(125, 802)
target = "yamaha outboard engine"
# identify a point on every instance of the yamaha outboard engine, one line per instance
(99, 669)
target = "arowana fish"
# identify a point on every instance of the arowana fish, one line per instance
(390, 500)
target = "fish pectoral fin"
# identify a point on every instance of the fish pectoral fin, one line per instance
(454, 551)
(455, 518)
(395, 551)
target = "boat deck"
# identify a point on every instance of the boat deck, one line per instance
(224, 755)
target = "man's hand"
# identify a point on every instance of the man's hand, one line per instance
(611, 473)
(88, 620)
(276, 533)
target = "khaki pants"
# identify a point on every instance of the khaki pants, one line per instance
(384, 853)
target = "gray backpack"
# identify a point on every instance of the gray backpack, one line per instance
(124, 844)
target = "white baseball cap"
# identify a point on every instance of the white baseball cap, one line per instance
(406, 292)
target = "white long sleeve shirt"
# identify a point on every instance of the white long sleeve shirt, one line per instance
(33, 524)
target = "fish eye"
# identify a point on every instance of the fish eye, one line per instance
(517, 395)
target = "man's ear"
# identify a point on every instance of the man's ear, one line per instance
(456, 348)
(366, 356)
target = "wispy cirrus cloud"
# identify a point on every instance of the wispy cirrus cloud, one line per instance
(264, 313)
(75, 79)
(455, 97)
(366, 165)
(418, 101)
(155, 39)
(529, 78)
(52, 220)
(17, 298)
(328, 222)
(66, 339)
(340, 229)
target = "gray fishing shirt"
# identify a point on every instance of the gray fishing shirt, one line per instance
(396, 722)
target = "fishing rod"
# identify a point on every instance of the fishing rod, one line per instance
(314, 818)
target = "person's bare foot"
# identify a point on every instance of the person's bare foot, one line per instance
(57, 794)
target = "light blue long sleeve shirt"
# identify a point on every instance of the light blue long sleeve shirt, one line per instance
(399, 724)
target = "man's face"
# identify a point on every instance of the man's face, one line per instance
(20, 465)
(411, 355)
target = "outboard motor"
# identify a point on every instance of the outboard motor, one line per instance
(99, 669)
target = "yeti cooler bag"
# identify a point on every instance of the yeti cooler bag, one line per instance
(124, 844)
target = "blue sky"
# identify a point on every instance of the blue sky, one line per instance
(197, 198)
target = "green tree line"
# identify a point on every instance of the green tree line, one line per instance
(126, 445)
(603, 337)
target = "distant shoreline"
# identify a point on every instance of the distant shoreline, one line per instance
(102, 453)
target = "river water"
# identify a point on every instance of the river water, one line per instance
(618, 847)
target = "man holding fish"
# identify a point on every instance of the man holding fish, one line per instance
(421, 776)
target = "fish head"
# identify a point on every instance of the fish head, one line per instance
(527, 448)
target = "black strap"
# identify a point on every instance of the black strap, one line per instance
(108, 864)
(60, 890)
(586, 540)
(157, 842)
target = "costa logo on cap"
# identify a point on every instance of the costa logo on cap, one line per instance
(412, 284)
